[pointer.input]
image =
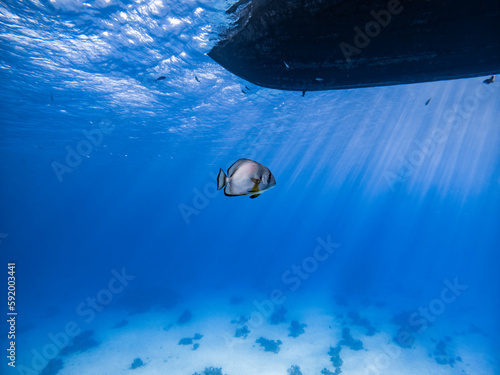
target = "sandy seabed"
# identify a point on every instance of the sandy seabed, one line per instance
(199, 337)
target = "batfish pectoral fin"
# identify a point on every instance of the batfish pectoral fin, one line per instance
(255, 188)
(254, 196)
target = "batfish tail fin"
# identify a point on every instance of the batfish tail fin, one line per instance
(221, 180)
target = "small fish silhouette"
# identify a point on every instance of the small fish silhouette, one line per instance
(489, 80)
(160, 78)
(245, 92)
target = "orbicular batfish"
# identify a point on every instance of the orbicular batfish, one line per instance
(245, 177)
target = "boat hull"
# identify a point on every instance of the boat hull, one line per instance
(324, 45)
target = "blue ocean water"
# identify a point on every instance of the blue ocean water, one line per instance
(384, 225)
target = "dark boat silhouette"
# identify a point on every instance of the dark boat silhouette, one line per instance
(323, 45)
